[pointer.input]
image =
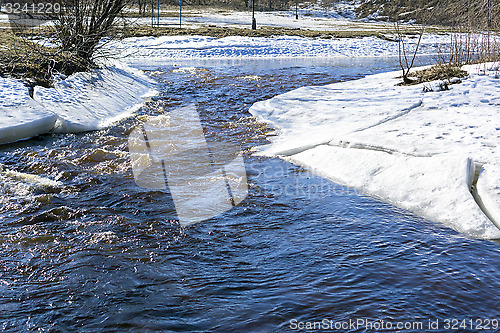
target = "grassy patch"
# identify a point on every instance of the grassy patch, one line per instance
(33, 63)
(438, 72)
(264, 31)
(135, 14)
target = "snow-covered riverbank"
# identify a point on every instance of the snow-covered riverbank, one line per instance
(81, 102)
(436, 154)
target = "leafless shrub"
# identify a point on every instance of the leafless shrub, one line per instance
(474, 37)
(407, 57)
(33, 62)
(83, 24)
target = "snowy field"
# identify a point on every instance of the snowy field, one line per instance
(436, 154)
(314, 17)
(144, 49)
(309, 19)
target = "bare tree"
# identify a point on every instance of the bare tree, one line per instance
(83, 23)
(406, 57)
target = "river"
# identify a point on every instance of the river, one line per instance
(89, 251)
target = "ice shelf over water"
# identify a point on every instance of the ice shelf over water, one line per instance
(434, 153)
(81, 102)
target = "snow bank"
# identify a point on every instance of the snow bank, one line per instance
(92, 101)
(340, 10)
(488, 190)
(20, 116)
(435, 154)
(81, 102)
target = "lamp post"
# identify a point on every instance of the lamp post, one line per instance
(254, 23)
(152, 14)
(180, 14)
(296, 10)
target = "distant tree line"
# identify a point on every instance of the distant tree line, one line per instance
(483, 14)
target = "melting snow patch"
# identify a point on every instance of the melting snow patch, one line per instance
(140, 49)
(488, 190)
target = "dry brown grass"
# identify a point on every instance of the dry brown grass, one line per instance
(33, 63)
(220, 32)
(263, 31)
(437, 72)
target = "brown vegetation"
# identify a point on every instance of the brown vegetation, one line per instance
(33, 63)
(438, 72)
(476, 13)
(263, 31)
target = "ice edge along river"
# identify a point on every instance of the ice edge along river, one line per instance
(81, 102)
(433, 153)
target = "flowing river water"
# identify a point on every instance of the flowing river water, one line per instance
(83, 249)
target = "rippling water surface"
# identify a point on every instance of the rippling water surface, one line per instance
(83, 249)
